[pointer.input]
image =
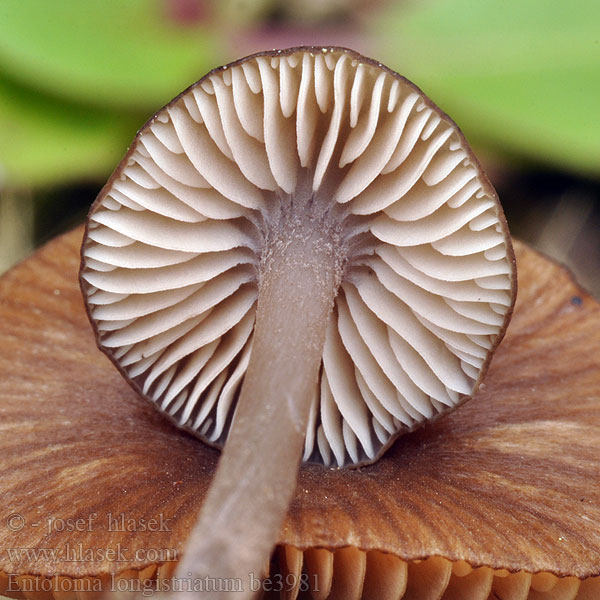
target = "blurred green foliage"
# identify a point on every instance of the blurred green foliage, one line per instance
(117, 53)
(520, 75)
(79, 77)
(44, 140)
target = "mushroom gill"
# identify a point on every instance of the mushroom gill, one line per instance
(315, 149)
(299, 255)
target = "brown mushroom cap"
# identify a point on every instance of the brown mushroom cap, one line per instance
(181, 241)
(513, 487)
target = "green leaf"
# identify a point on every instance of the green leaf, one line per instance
(521, 75)
(44, 141)
(107, 52)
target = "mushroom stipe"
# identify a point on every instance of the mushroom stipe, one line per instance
(299, 257)
(511, 490)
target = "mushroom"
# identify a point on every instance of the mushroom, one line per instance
(298, 257)
(505, 498)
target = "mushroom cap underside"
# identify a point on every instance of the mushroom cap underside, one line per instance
(509, 481)
(256, 152)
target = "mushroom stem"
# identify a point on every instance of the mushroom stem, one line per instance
(240, 520)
